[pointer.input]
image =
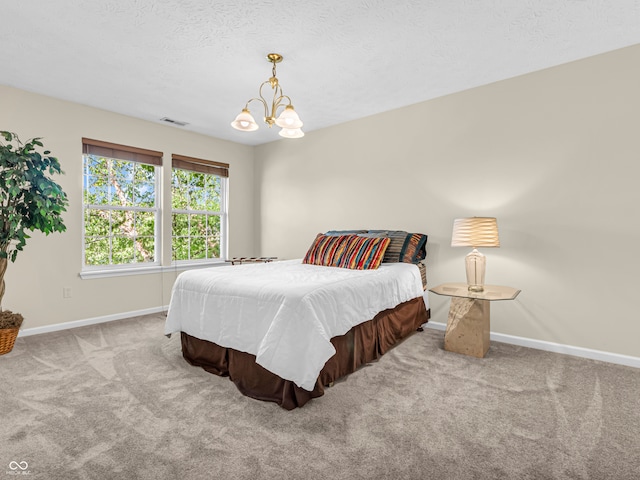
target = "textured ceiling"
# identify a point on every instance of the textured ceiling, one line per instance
(199, 61)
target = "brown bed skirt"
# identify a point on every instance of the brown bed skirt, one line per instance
(362, 344)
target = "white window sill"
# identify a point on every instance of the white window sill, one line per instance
(126, 271)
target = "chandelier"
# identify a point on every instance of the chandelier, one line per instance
(288, 119)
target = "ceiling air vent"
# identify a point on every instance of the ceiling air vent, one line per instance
(173, 122)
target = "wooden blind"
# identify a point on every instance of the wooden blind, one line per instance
(199, 165)
(121, 152)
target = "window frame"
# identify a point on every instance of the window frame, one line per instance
(133, 155)
(208, 167)
(163, 210)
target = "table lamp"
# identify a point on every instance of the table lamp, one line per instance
(475, 232)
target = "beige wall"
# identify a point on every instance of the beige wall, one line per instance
(554, 155)
(35, 280)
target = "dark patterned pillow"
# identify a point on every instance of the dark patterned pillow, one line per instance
(414, 248)
(337, 233)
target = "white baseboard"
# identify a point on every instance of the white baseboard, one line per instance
(89, 321)
(498, 337)
(556, 347)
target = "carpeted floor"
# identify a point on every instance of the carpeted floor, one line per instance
(117, 400)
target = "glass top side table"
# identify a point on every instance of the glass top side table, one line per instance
(468, 324)
(491, 292)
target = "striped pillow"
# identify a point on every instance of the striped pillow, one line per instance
(398, 238)
(362, 253)
(326, 249)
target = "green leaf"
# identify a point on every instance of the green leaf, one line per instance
(36, 201)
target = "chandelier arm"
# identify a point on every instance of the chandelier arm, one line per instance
(277, 97)
(278, 102)
(275, 103)
(262, 101)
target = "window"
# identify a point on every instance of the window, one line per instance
(198, 209)
(124, 206)
(121, 205)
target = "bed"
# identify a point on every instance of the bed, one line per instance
(282, 331)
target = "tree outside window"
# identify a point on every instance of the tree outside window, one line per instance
(197, 208)
(120, 211)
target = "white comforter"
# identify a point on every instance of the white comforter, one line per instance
(285, 313)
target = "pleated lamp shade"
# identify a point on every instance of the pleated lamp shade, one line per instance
(475, 232)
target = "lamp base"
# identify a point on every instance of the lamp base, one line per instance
(475, 263)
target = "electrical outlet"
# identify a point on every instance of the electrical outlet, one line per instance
(66, 292)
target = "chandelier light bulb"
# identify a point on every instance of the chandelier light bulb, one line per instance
(289, 118)
(291, 133)
(245, 121)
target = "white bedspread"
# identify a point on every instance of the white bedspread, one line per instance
(285, 313)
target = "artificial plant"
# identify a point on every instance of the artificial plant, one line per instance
(29, 200)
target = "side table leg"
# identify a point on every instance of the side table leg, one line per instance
(468, 327)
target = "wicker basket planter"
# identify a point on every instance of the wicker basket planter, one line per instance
(9, 327)
(7, 339)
